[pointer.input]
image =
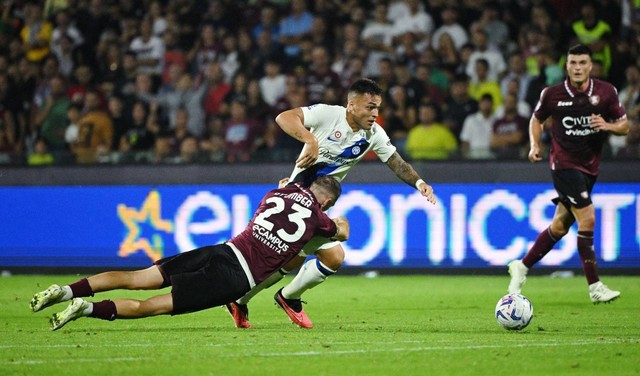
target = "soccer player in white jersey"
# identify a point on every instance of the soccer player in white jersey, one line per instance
(335, 139)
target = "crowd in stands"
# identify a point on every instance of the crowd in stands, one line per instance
(201, 81)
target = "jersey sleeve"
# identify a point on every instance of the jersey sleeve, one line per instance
(315, 114)
(326, 226)
(541, 111)
(382, 145)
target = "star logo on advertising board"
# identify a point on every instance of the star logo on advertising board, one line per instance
(150, 213)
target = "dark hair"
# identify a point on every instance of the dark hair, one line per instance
(365, 86)
(330, 184)
(580, 49)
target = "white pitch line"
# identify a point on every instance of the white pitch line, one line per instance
(332, 352)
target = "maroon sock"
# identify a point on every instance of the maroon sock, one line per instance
(588, 256)
(105, 310)
(543, 244)
(81, 288)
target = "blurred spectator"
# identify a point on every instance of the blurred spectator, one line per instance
(204, 50)
(10, 107)
(65, 27)
(156, 16)
(459, 105)
(138, 138)
(399, 115)
(51, 118)
(174, 56)
(125, 80)
(477, 131)
(496, 30)
(95, 131)
(67, 55)
(162, 150)
(217, 90)
(517, 70)
(256, 106)
(268, 23)
(92, 20)
(496, 64)
(376, 36)
(74, 114)
(523, 108)
(630, 99)
(36, 33)
(242, 134)
(591, 30)
(417, 22)
(320, 76)
(149, 50)
(413, 87)
(229, 57)
(429, 91)
(189, 151)
(81, 83)
(430, 139)
(510, 132)
(116, 109)
(295, 26)
(274, 83)
(631, 149)
(483, 85)
(447, 54)
(322, 35)
(186, 95)
(451, 27)
(41, 155)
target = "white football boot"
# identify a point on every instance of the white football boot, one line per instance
(73, 311)
(600, 293)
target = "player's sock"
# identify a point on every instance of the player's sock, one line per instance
(105, 310)
(312, 273)
(588, 256)
(543, 244)
(270, 281)
(81, 288)
(68, 293)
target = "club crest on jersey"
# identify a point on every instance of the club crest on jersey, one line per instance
(356, 150)
(594, 100)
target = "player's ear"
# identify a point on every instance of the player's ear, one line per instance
(327, 203)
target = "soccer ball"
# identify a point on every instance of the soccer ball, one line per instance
(514, 312)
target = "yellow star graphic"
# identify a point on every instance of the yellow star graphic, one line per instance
(149, 212)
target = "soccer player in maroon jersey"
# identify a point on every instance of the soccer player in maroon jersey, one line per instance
(583, 111)
(286, 219)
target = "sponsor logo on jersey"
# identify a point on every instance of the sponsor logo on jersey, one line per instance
(594, 100)
(565, 103)
(582, 125)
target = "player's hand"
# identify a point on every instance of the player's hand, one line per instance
(283, 182)
(597, 122)
(308, 155)
(534, 154)
(427, 191)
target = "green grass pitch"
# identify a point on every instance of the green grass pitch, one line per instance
(390, 325)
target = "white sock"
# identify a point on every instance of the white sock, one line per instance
(68, 294)
(270, 281)
(312, 273)
(88, 310)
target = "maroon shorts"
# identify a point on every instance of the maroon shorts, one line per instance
(573, 187)
(203, 278)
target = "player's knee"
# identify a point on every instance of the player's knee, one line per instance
(587, 222)
(332, 257)
(558, 229)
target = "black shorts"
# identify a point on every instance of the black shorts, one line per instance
(203, 278)
(573, 187)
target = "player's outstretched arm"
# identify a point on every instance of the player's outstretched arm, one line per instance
(343, 229)
(292, 123)
(405, 172)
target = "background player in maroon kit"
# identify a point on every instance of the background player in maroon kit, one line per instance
(286, 219)
(582, 111)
